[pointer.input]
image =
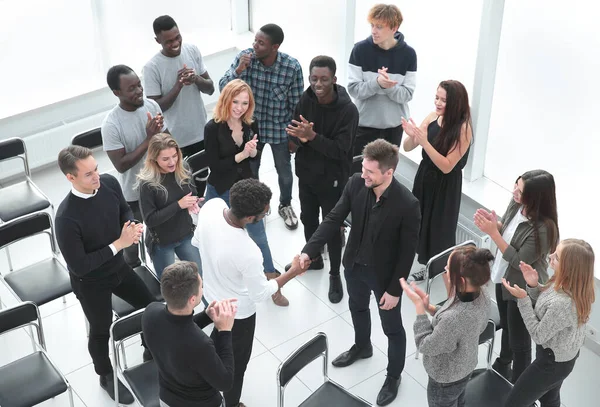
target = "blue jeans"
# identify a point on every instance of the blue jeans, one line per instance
(163, 256)
(255, 230)
(283, 165)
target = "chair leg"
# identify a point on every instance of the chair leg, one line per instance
(32, 338)
(64, 299)
(10, 266)
(70, 391)
(124, 356)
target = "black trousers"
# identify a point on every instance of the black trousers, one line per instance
(541, 381)
(364, 135)
(315, 199)
(132, 253)
(516, 341)
(242, 338)
(94, 295)
(361, 280)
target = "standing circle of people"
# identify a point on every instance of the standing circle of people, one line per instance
(223, 255)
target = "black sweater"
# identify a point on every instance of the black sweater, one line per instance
(86, 227)
(192, 369)
(221, 151)
(327, 158)
(165, 220)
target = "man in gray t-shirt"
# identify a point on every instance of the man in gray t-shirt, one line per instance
(175, 78)
(126, 131)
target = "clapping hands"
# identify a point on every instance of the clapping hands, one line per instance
(414, 132)
(384, 80)
(222, 313)
(486, 222)
(250, 147)
(302, 130)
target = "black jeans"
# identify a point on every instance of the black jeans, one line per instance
(364, 135)
(132, 253)
(95, 298)
(361, 280)
(242, 338)
(315, 198)
(447, 394)
(516, 341)
(541, 381)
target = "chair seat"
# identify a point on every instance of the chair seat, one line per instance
(143, 380)
(331, 395)
(41, 282)
(29, 381)
(487, 388)
(122, 308)
(19, 200)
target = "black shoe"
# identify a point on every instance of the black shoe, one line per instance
(349, 357)
(417, 275)
(317, 264)
(108, 384)
(147, 356)
(388, 391)
(336, 291)
(503, 369)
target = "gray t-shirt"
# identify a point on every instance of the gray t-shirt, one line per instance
(187, 115)
(123, 129)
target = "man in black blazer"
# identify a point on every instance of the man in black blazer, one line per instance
(380, 250)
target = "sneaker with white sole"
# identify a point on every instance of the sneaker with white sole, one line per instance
(289, 216)
(418, 275)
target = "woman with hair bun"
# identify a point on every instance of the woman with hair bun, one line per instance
(449, 343)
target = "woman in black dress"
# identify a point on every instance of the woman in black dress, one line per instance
(445, 136)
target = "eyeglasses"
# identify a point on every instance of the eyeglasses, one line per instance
(266, 213)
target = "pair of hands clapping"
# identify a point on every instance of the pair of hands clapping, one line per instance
(413, 131)
(191, 203)
(250, 147)
(222, 313)
(417, 296)
(302, 130)
(531, 278)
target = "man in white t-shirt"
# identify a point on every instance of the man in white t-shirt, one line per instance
(232, 265)
(126, 131)
(175, 78)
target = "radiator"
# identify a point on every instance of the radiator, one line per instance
(467, 230)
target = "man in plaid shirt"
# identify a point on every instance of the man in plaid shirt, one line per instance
(277, 84)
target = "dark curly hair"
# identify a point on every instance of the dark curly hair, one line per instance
(472, 264)
(249, 197)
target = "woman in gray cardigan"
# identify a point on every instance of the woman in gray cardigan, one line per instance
(528, 233)
(556, 322)
(449, 343)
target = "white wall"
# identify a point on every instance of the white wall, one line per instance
(545, 107)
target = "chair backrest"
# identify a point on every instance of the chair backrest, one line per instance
(437, 264)
(91, 139)
(27, 226)
(14, 147)
(305, 354)
(198, 163)
(22, 314)
(488, 333)
(126, 327)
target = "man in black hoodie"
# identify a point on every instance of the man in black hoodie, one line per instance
(381, 78)
(322, 133)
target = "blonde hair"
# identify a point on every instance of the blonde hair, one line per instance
(575, 276)
(151, 172)
(386, 13)
(222, 111)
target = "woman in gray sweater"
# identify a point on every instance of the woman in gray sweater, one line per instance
(556, 322)
(528, 233)
(449, 343)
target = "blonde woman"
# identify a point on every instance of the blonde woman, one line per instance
(231, 139)
(167, 198)
(556, 322)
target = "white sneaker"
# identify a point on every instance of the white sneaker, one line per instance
(289, 216)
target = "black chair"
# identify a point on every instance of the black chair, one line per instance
(45, 280)
(329, 394)
(200, 170)
(91, 139)
(121, 307)
(34, 378)
(141, 379)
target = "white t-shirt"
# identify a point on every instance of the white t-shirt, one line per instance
(187, 115)
(500, 265)
(231, 261)
(123, 129)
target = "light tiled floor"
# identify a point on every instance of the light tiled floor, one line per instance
(279, 330)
